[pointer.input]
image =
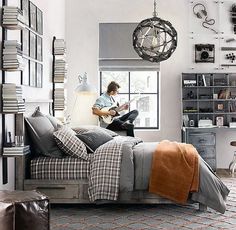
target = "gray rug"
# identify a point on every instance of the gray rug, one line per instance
(148, 217)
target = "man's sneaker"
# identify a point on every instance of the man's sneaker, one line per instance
(127, 125)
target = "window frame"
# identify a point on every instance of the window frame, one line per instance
(157, 127)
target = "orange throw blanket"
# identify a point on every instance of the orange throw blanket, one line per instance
(175, 171)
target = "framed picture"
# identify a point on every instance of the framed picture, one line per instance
(32, 45)
(32, 75)
(220, 121)
(32, 17)
(39, 24)
(25, 10)
(39, 75)
(39, 49)
(25, 41)
(25, 73)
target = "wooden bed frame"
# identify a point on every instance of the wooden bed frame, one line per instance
(75, 191)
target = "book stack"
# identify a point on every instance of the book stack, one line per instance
(12, 17)
(59, 99)
(59, 47)
(18, 150)
(12, 55)
(12, 101)
(60, 70)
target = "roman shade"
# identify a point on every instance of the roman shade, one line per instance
(116, 50)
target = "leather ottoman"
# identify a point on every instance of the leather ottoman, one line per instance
(23, 210)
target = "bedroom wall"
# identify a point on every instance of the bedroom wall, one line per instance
(53, 25)
(82, 23)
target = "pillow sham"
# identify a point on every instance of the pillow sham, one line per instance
(94, 138)
(41, 132)
(69, 143)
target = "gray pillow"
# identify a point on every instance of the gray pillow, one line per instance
(41, 132)
(85, 128)
(94, 138)
(69, 143)
(55, 122)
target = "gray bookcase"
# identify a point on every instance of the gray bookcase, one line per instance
(208, 96)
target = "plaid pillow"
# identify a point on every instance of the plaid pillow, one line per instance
(69, 143)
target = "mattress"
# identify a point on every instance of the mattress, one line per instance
(68, 168)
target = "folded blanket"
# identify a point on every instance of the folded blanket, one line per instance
(175, 171)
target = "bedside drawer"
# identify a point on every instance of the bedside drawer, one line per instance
(54, 191)
(206, 152)
(198, 139)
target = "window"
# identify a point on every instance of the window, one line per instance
(134, 83)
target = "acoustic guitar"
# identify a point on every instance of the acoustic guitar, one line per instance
(108, 119)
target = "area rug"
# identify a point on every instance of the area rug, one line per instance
(147, 217)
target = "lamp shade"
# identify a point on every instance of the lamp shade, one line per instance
(84, 87)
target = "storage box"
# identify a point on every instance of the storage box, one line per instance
(23, 210)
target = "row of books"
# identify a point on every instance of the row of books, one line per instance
(12, 100)
(12, 17)
(60, 70)
(59, 99)
(59, 47)
(12, 55)
(16, 150)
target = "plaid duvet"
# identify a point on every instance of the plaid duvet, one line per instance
(104, 178)
(105, 172)
(69, 168)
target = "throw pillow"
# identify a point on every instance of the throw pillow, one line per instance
(41, 132)
(69, 143)
(94, 138)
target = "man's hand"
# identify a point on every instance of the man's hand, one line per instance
(126, 107)
(112, 112)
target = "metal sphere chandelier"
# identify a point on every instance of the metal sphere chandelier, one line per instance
(154, 39)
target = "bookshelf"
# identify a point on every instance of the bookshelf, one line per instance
(59, 77)
(21, 54)
(209, 96)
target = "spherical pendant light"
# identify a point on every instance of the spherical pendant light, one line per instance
(154, 39)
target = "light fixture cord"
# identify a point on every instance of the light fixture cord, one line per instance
(155, 9)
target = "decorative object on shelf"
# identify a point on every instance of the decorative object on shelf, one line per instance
(204, 53)
(200, 11)
(231, 57)
(220, 121)
(154, 39)
(233, 17)
(84, 87)
(185, 120)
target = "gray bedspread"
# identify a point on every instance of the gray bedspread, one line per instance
(136, 164)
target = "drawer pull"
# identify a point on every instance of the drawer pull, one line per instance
(202, 140)
(44, 187)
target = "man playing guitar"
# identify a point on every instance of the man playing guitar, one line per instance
(106, 100)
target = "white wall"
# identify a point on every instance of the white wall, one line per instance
(53, 25)
(82, 23)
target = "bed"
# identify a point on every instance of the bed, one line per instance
(67, 178)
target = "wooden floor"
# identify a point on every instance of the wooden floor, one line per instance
(225, 173)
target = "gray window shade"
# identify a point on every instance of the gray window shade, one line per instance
(116, 48)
